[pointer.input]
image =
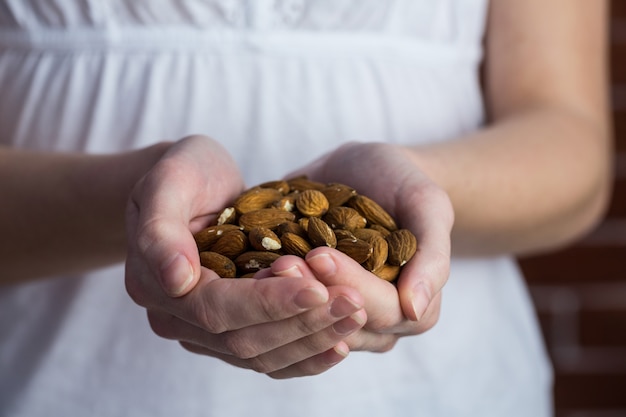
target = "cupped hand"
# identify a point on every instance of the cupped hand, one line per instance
(388, 174)
(284, 323)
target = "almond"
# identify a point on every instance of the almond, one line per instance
(280, 185)
(262, 238)
(220, 264)
(372, 211)
(380, 252)
(231, 244)
(402, 247)
(388, 272)
(344, 218)
(286, 203)
(227, 216)
(302, 183)
(338, 194)
(357, 249)
(293, 244)
(209, 235)
(253, 261)
(291, 227)
(312, 203)
(320, 233)
(255, 199)
(269, 218)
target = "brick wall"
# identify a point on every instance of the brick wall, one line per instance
(580, 292)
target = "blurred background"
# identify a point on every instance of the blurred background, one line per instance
(580, 292)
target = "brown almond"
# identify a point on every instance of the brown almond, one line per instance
(402, 247)
(388, 272)
(209, 235)
(357, 249)
(303, 222)
(302, 183)
(367, 234)
(262, 238)
(312, 203)
(293, 244)
(286, 203)
(220, 264)
(231, 244)
(380, 252)
(227, 216)
(269, 218)
(255, 199)
(320, 233)
(291, 227)
(343, 234)
(383, 230)
(372, 211)
(338, 194)
(253, 261)
(280, 185)
(344, 218)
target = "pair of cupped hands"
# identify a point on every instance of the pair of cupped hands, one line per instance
(300, 316)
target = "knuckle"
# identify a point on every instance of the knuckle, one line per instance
(239, 346)
(209, 318)
(259, 365)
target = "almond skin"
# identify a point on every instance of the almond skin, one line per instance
(344, 218)
(402, 247)
(295, 245)
(232, 244)
(220, 264)
(255, 199)
(269, 218)
(338, 194)
(262, 238)
(320, 233)
(206, 237)
(253, 261)
(357, 249)
(372, 211)
(312, 203)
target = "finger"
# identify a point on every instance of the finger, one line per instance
(423, 277)
(381, 298)
(258, 339)
(314, 365)
(218, 305)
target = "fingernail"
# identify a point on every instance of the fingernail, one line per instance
(176, 275)
(337, 354)
(322, 264)
(420, 300)
(342, 307)
(348, 325)
(309, 298)
(291, 272)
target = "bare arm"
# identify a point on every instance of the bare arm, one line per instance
(64, 213)
(538, 175)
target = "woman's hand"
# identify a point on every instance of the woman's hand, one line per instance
(286, 324)
(385, 173)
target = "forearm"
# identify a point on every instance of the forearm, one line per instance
(530, 182)
(64, 213)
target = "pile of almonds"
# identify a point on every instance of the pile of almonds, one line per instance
(294, 216)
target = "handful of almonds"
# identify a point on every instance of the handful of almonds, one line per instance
(291, 217)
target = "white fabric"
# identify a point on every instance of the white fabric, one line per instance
(267, 77)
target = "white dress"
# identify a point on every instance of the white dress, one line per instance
(266, 77)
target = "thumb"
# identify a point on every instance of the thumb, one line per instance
(166, 249)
